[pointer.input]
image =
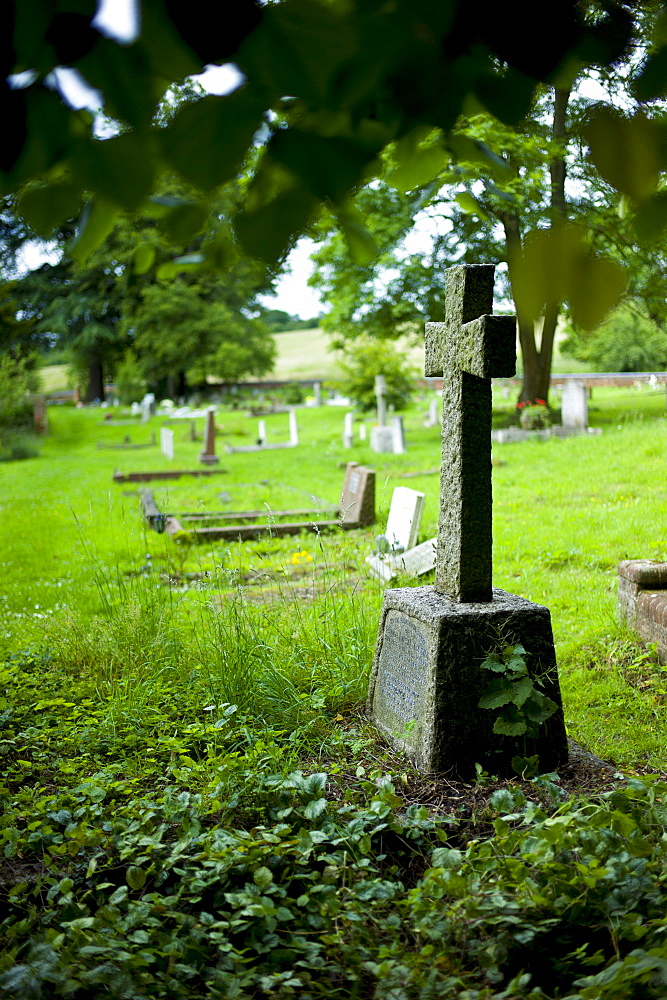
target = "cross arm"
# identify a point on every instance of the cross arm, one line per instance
(486, 347)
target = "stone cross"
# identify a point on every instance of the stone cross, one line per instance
(468, 349)
(380, 392)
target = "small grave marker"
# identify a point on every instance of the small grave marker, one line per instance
(382, 436)
(574, 405)
(427, 679)
(397, 435)
(348, 430)
(293, 428)
(208, 455)
(167, 442)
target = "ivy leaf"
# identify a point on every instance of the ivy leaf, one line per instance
(262, 878)
(315, 808)
(135, 877)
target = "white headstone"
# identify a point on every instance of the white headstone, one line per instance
(293, 428)
(398, 435)
(348, 430)
(261, 432)
(574, 405)
(167, 442)
(135, 409)
(433, 418)
(317, 393)
(362, 432)
(414, 562)
(382, 439)
(405, 516)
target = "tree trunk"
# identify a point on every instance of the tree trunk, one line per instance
(95, 388)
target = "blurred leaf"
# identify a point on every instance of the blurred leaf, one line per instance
(46, 207)
(179, 265)
(597, 288)
(122, 73)
(557, 264)
(96, 222)
(298, 50)
(626, 151)
(416, 165)
(184, 221)
(221, 254)
(464, 148)
(208, 141)
(650, 220)
(470, 205)
(329, 167)
(363, 248)
(651, 81)
(143, 258)
(268, 232)
(120, 169)
(262, 878)
(507, 97)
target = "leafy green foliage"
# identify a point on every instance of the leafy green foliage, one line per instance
(626, 342)
(366, 358)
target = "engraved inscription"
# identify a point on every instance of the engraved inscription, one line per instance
(403, 669)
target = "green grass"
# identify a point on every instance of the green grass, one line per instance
(168, 712)
(566, 511)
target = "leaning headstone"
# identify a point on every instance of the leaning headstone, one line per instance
(400, 536)
(405, 514)
(167, 442)
(348, 430)
(397, 435)
(427, 678)
(357, 502)
(574, 405)
(208, 455)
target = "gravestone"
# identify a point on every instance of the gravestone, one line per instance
(167, 442)
(427, 679)
(382, 436)
(405, 514)
(348, 430)
(574, 405)
(293, 429)
(208, 455)
(362, 432)
(357, 502)
(40, 416)
(317, 393)
(433, 416)
(261, 433)
(397, 435)
(400, 537)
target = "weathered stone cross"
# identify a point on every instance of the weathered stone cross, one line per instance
(468, 349)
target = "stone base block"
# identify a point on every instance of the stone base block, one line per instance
(642, 600)
(382, 439)
(208, 459)
(427, 680)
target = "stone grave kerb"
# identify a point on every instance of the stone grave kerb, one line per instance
(467, 350)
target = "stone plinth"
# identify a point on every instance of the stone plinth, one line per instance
(382, 440)
(427, 680)
(642, 600)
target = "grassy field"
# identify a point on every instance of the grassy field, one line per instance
(145, 677)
